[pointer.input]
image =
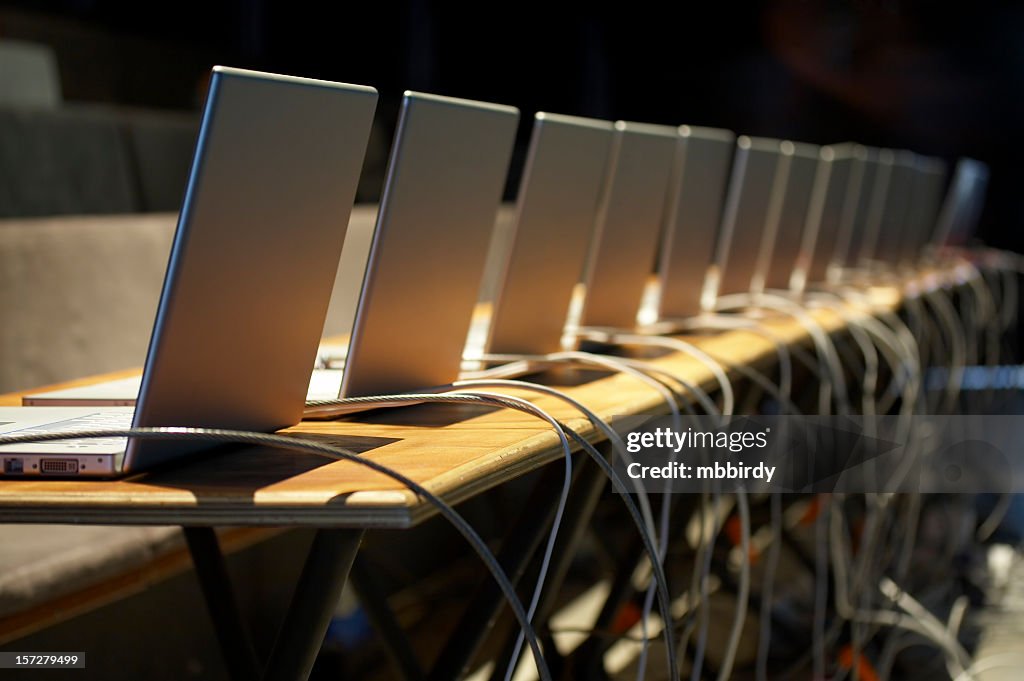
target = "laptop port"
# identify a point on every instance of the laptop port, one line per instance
(14, 466)
(58, 466)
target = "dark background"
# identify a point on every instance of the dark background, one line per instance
(939, 78)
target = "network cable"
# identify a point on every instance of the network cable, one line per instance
(654, 377)
(868, 352)
(527, 406)
(618, 446)
(728, 400)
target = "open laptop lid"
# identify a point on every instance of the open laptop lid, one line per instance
(830, 209)
(555, 214)
(780, 246)
(703, 159)
(260, 233)
(962, 205)
(871, 205)
(752, 202)
(444, 183)
(925, 202)
(629, 224)
(863, 169)
(884, 243)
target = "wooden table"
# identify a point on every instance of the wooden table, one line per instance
(454, 451)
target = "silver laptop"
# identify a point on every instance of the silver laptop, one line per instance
(629, 226)
(962, 206)
(783, 235)
(255, 253)
(863, 172)
(925, 202)
(868, 182)
(556, 210)
(832, 205)
(882, 243)
(753, 198)
(444, 185)
(703, 159)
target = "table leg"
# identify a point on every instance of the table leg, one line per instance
(232, 633)
(315, 598)
(374, 601)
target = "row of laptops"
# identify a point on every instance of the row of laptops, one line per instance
(269, 197)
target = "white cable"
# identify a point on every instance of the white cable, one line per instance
(555, 524)
(743, 595)
(728, 402)
(665, 507)
(821, 339)
(990, 662)
(944, 312)
(704, 614)
(958, 659)
(728, 397)
(867, 348)
(829, 357)
(642, 373)
(619, 447)
(728, 406)
(781, 392)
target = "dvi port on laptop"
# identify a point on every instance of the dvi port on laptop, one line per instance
(58, 466)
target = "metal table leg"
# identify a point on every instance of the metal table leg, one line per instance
(374, 601)
(315, 598)
(232, 633)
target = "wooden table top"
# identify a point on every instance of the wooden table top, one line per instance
(455, 451)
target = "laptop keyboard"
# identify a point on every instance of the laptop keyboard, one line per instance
(100, 420)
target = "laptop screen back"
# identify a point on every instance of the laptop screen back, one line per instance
(781, 250)
(925, 202)
(893, 223)
(830, 205)
(629, 225)
(555, 215)
(254, 256)
(749, 202)
(444, 184)
(701, 177)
